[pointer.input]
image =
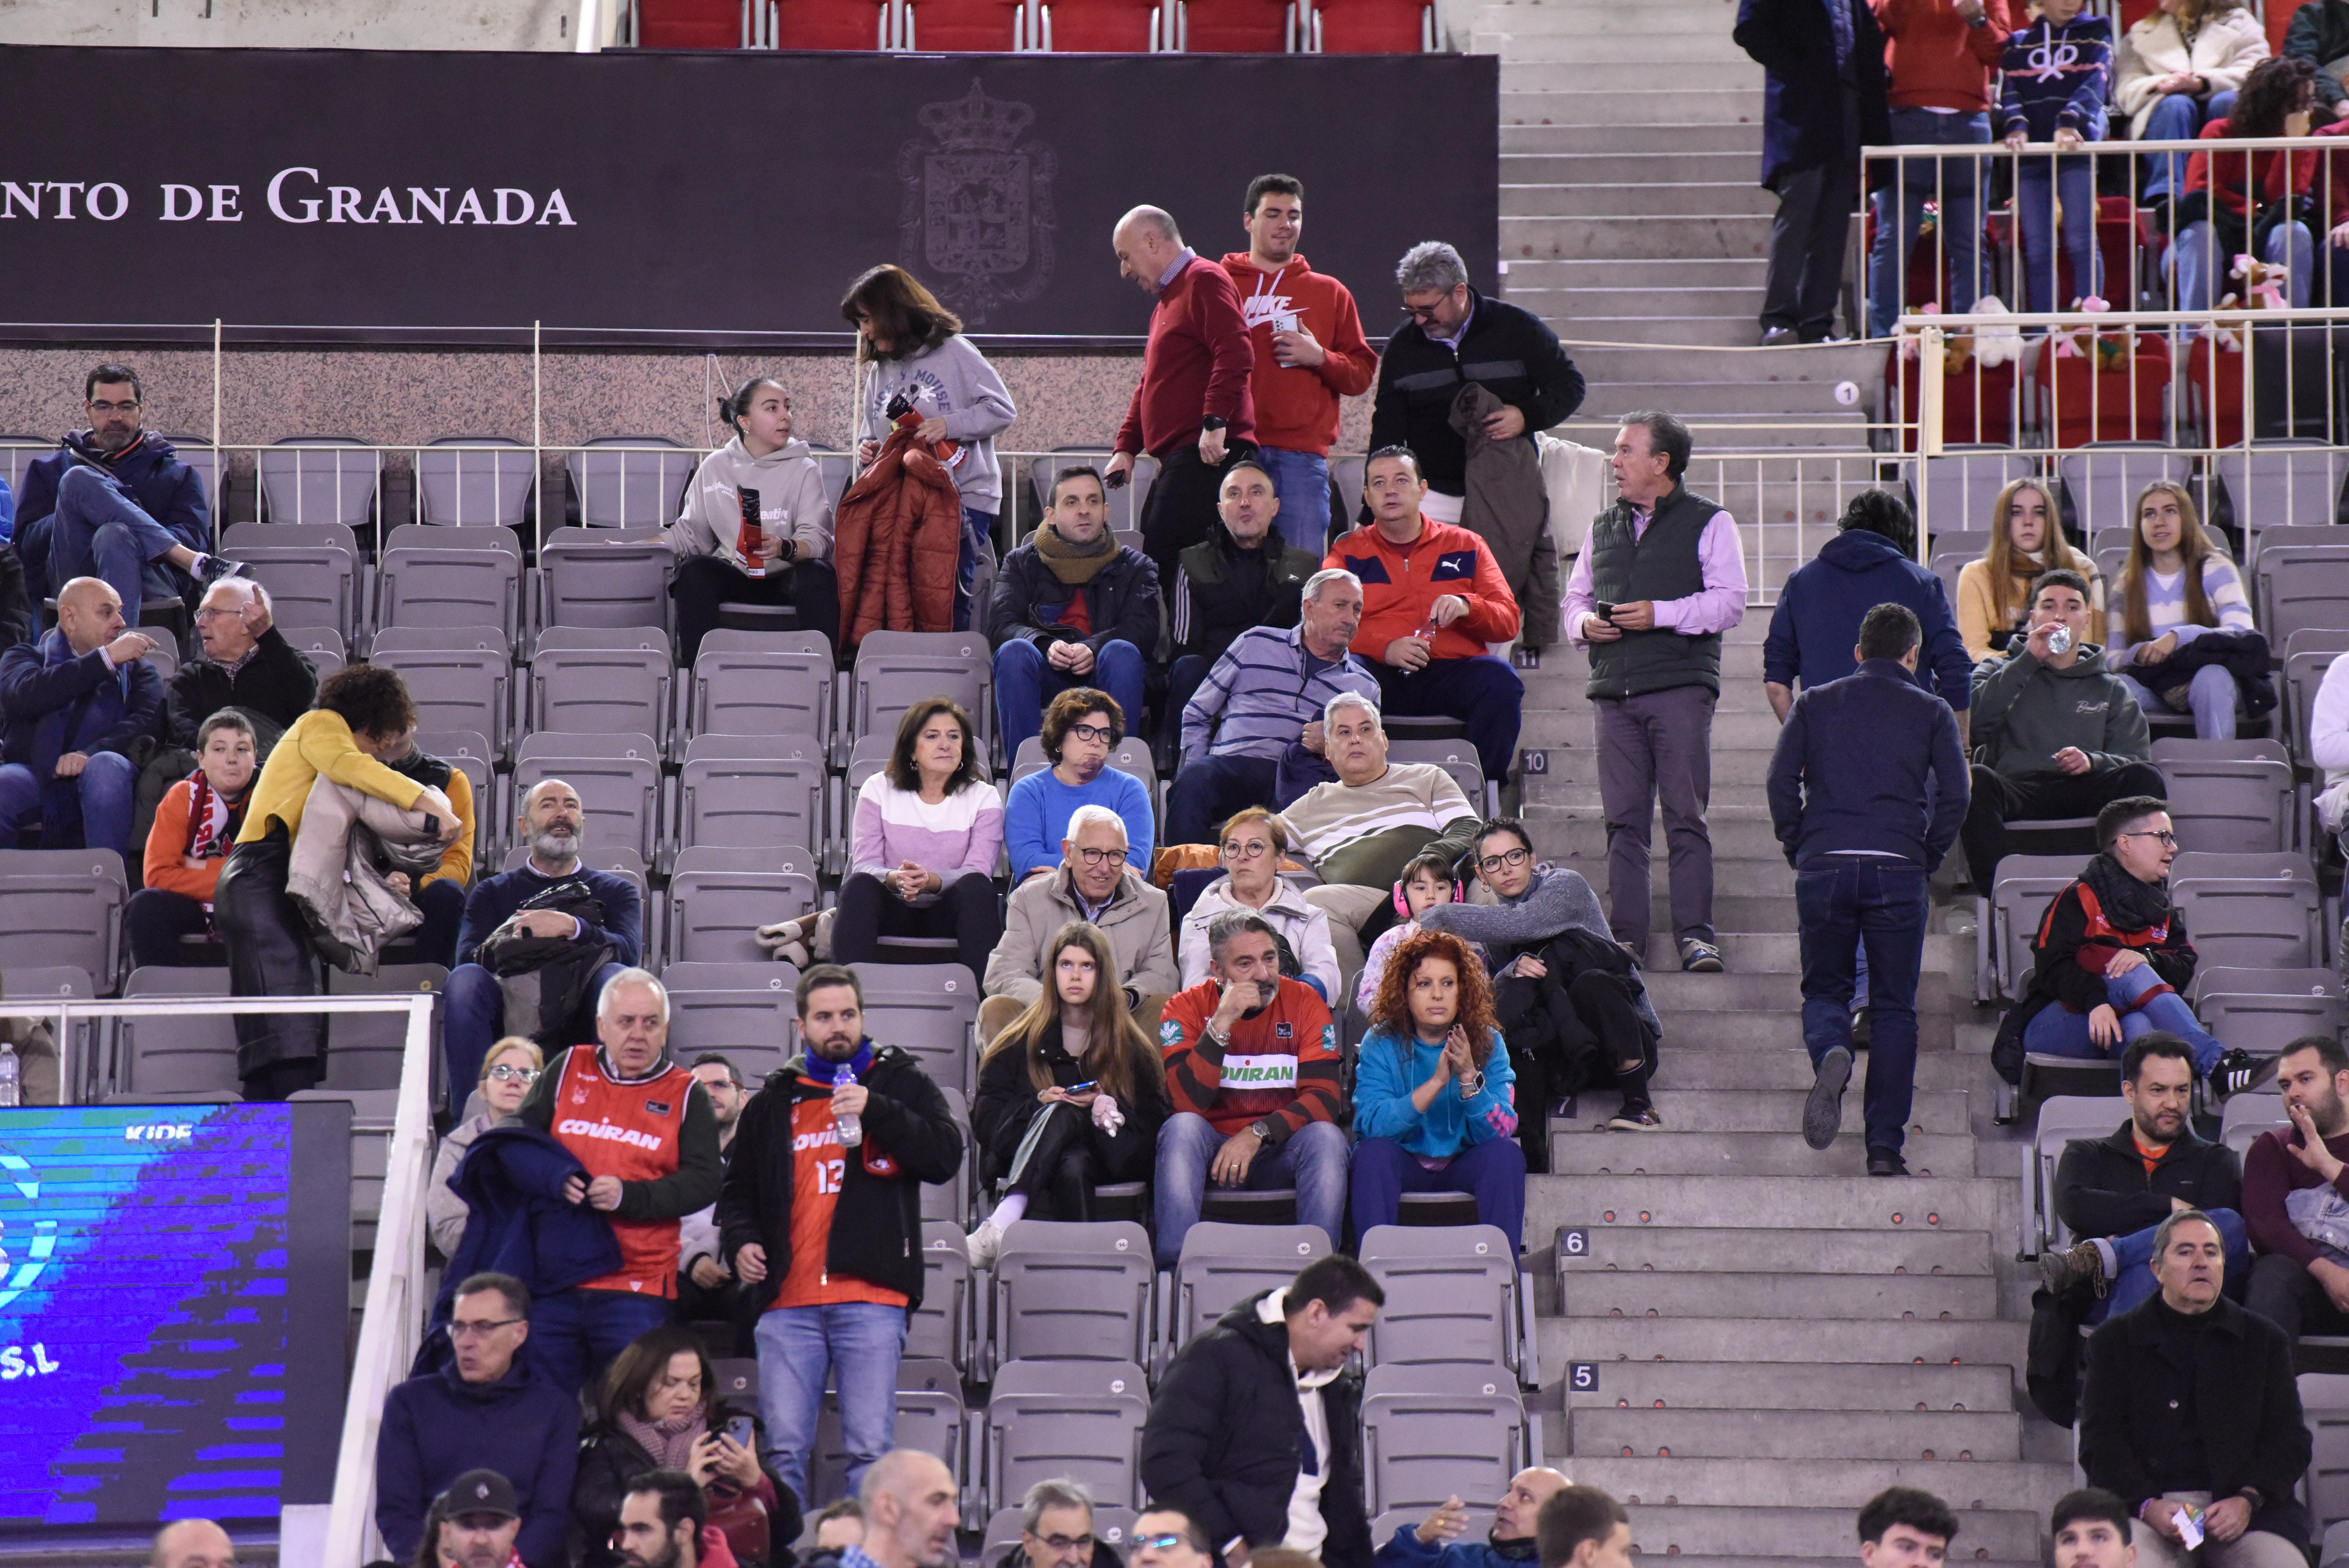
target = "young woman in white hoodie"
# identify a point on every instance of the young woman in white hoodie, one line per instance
(793, 563)
(907, 342)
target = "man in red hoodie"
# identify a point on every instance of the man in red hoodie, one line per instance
(1193, 410)
(1942, 55)
(1310, 352)
(1432, 599)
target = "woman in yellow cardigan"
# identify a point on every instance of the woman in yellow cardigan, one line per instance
(2027, 539)
(363, 713)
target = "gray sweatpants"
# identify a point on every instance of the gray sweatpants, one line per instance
(1657, 745)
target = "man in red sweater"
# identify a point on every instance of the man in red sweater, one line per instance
(1193, 410)
(2297, 1285)
(1310, 352)
(1433, 598)
(1943, 56)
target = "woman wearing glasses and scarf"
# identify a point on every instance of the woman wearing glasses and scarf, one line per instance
(512, 1065)
(1252, 845)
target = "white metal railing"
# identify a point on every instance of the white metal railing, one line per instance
(392, 1326)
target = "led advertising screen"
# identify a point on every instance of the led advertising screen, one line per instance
(172, 1322)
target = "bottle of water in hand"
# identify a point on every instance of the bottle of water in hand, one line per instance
(11, 1075)
(850, 1124)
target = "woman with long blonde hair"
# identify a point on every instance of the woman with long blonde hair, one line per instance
(1434, 1097)
(1070, 1095)
(2026, 538)
(2175, 588)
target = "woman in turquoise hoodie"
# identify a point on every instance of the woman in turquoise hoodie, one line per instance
(1435, 1100)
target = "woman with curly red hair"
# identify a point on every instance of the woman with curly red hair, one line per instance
(1435, 1102)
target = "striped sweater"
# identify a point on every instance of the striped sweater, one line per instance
(960, 836)
(2165, 606)
(1263, 692)
(1281, 1065)
(1363, 834)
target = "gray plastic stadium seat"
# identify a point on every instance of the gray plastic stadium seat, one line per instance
(2026, 883)
(1956, 488)
(715, 911)
(2324, 1404)
(1452, 1297)
(471, 481)
(630, 481)
(461, 678)
(763, 692)
(64, 907)
(364, 1050)
(2256, 910)
(2228, 797)
(929, 1009)
(929, 1418)
(617, 778)
(2263, 1024)
(2246, 1116)
(1223, 1266)
(942, 1328)
(751, 801)
(61, 981)
(323, 646)
(1074, 1293)
(2301, 587)
(743, 1010)
(199, 453)
(1078, 1421)
(2105, 479)
(1456, 758)
(2216, 979)
(2305, 660)
(2061, 1118)
(310, 584)
(178, 1055)
(470, 753)
(604, 577)
(444, 584)
(2281, 484)
(318, 478)
(894, 670)
(1434, 1432)
(949, 1202)
(600, 691)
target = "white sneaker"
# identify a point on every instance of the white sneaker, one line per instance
(984, 1244)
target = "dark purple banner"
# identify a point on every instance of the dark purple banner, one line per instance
(671, 197)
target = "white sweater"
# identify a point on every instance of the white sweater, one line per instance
(2328, 743)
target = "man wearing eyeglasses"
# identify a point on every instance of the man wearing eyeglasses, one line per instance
(487, 1409)
(247, 664)
(117, 504)
(1056, 1531)
(1096, 882)
(707, 1290)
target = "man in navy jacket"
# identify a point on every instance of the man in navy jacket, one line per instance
(75, 706)
(1856, 765)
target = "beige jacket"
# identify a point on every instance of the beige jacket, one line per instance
(331, 873)
(2225, 48)
(1136, 922)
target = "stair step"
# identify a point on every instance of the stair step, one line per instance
(1768, 1483)
(1741, 1154)
(1694, 1535)
(1632, 107)
(1562, 60)
(1819, 366)
(1695, 1064)
(1780, 1111)
(1941, 1298)
(1612, 1341)
(1803, 1202)
(1748, 1030)
(1638, 1249)
(1789, 1385)
(1656, 198)
(1729, 331)
(1527, 24)
(1632, 239)
(1716, 71)
(1978, 1435)
(1641, 162)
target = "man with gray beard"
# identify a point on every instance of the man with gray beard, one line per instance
(554, 825)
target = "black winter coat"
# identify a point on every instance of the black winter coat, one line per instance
(16, 601)
(1120, 602)
(1803, 121)
(2241, 653)
(1005, 1103)
(1507, 349)
(1226, 1432)
(876, 1226)
(276, 682)
(2057, 975)
(1221, 590)
(2102, 1188)
(2320, 33)
(609, 1459)
(2247, 1405)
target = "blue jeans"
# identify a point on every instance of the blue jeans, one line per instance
(2202, 273)
(2060, 1032)
(1881, 904)
(2040, 177)
(1300, 482)
(106, 786)
(1024, 683)
(2210, 696)
(2129, 1261)
(473, 1020)
(2177, 116)
(1206, 793)
(98, 531)
(1494, 1173)
(1950, 184)
(859, 1344)
(975, 526)
(575, 1334)
(1312, 1161)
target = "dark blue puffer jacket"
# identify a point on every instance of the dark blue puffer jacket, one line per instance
(163, 486)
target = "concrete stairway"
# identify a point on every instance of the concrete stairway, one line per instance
(1775, 1336)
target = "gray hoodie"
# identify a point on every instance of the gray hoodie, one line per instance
(955, 381)
(791, 499)
(2025, 711)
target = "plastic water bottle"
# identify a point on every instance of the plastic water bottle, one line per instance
(850, 1125)
(2059, 642)
(11, 1075)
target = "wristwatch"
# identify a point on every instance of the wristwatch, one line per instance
(1213, 422)
(1262, 1127)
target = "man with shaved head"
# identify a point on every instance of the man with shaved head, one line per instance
(1193, 410)
(577, 911)
(1434, 1541)
(73, 707)
(192, 1544)
(909, 1513)
(247, 664)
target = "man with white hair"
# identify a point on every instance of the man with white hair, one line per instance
(643, 1131)
(1094, 884)
(1192, 409)
(1256, 719)
(247, 664)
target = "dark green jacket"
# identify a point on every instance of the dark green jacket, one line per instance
(1664, 562)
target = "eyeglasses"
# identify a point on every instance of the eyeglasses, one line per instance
(2168, 840)
(1246, 849)
(1099, 732)
(522, 1076)
(1517, 857)
(216, 613)
(1068, 1542)
(1167, 1541)
(464, 1329)
(1101, 857)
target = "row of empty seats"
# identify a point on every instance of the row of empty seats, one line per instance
(1063, 26)
(2271, 484)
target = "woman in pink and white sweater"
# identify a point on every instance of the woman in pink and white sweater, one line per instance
(923, 845)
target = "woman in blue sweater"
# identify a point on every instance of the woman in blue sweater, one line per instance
(1435, 1100)
(2057, 76)
(1081, 729)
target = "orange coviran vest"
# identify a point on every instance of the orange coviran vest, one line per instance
(629, 1130)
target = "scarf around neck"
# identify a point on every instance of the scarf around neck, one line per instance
(2129, 904)
(670, 1444)
(212, 817)
(1074, 564)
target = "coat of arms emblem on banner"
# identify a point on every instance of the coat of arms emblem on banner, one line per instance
(977, 221)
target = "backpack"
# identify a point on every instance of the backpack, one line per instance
(543, 978)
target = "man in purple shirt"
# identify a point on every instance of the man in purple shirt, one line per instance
(1662, 576)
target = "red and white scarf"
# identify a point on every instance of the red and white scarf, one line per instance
(211, 819)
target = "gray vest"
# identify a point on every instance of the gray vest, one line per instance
(1662, 563)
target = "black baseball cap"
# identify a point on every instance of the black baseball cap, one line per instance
(479, 1491)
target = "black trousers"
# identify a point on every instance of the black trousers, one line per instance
(868, 910)
(1588, 1051)
(1999, 799)
(1070, 1158)
(1180, 505)
(269, 955)
(154, 921)
(2288, 1296)
(703, 583)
